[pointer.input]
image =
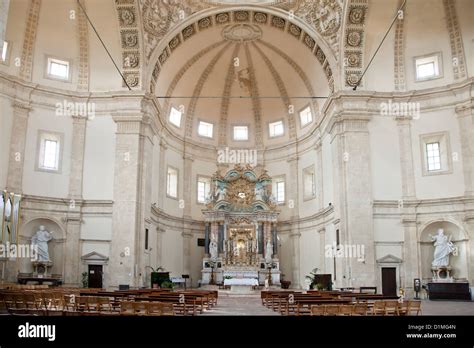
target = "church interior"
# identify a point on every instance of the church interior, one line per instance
(227, 157)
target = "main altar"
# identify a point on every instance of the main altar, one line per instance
(240, 228)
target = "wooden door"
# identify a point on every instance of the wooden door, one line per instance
(95, 276)
(389, 281)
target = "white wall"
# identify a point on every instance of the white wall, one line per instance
(385, 158)
(99, 158)
(6, 122)
(43, 183)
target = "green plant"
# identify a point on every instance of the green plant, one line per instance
(85, 279)
(157, 269)
(167, 285)
(312, 277)
(228, 277)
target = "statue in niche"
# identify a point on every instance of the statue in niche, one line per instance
(213, 250)
(40, 241)
(259, 192)
(268, 252)
(443, 248)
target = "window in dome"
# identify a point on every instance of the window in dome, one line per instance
(279, 189)
(205, 129)
(58, 69)
(428, 67)
(276, 129)
(175, 117)
(172, 183)
(203, 188)
(306, 117)
(5, 51)
(241, 133)
(49, 151)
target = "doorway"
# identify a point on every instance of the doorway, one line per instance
(389, 281)
(95, 276)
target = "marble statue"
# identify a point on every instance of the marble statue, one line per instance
(213, 250)
(40, 241)
(220, 192)
(443, 247)
(259, 192)
(268, 252)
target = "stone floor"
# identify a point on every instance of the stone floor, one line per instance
(230, 304)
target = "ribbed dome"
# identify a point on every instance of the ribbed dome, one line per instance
(238, 74)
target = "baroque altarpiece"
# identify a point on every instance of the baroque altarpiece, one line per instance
(241, 227)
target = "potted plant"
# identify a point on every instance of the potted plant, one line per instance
(157, 277)
(85, 279)
(285, 284)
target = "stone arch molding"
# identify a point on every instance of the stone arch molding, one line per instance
(276, 18)
(425, 226)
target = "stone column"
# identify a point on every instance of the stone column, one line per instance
(465, 116)
(352, 171)
(322, 249)
(319, 175)
(410, 256)
(188, 185)
(128, 215)
(17, 147)
(162, 174)
(77, 157)
(187, 239)
(159, 244)
(72, 261)
(206, 238)
(295, 234)
(4, 6)
(406, 158)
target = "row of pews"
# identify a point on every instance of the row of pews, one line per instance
(77, 302)
(288, 302)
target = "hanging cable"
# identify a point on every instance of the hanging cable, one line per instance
(103, 44)
(383, 39)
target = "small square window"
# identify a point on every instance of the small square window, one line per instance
(205, 129)
(241, 133)
(428, 67)
(49, 151)
(172, 183)
(175, 117)
(306, 117)
(203, 188)
(58, 69)
(276, 129)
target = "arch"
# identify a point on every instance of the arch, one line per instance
(56, 246)
(291, 24)
(459, 263)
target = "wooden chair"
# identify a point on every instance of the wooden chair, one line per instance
(140, 308)
(391, 307)
(126, 308)
(154, 308)
(402, 308)
(360, 309)
(167, 309)
(414, 307)
(317, 309)
(378, 308)
(332, 309)
(346, 309)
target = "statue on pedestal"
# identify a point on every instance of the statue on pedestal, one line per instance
(443, 247)
(40, 241)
